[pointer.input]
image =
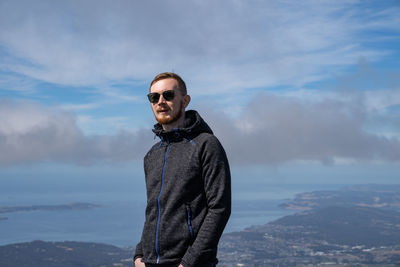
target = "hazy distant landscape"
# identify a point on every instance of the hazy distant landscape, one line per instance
(70, 206)
(64, 254)
(355, 226)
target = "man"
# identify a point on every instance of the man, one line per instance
(188, 184)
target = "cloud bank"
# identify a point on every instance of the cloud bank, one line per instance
(271, 130)
(278, 129)
(30, 133)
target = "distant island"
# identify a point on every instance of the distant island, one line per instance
(354, 226)
(70, 206)
(374, 196)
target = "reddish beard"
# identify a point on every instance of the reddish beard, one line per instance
(163, 120)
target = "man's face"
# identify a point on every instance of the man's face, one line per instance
(167, 112)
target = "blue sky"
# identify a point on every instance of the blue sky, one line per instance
(295, 91)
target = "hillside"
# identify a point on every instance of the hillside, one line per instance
(64, 254)
(332, 236)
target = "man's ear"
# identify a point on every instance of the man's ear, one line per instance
(186, 100)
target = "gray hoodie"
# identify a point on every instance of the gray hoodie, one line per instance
(188, 196)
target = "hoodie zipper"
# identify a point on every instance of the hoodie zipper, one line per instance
(158, 203)
(189, 220)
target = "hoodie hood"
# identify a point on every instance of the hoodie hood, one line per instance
(192, 126)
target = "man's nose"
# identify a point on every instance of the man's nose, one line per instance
(161, 99)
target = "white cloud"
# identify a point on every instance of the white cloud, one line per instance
(218, 45)
(271, 129)
(105, 125)
(19, 83)
(32, 133)
(276, 129)
(374, 100)
(78, 107)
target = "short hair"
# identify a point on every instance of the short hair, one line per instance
(166, 75)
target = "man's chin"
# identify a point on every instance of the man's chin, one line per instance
(168, 118)
(165, 119)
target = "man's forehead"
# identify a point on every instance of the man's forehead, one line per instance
(164, 85)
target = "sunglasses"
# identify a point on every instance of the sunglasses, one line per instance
(167, 95)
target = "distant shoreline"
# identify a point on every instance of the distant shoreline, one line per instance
(70, 206)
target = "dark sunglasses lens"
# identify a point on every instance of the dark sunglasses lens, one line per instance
(168, 95)
(153, 97)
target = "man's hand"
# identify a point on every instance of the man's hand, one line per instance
(139, 263)
(180, 265)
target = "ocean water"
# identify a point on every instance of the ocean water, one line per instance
(120, 218)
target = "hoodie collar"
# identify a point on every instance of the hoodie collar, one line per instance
(193, 125)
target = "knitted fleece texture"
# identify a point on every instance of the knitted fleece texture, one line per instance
(188, 186)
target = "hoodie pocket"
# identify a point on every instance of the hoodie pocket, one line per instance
(189, 220)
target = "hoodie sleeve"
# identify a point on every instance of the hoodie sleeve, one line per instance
(217, 186)
(138, 251)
